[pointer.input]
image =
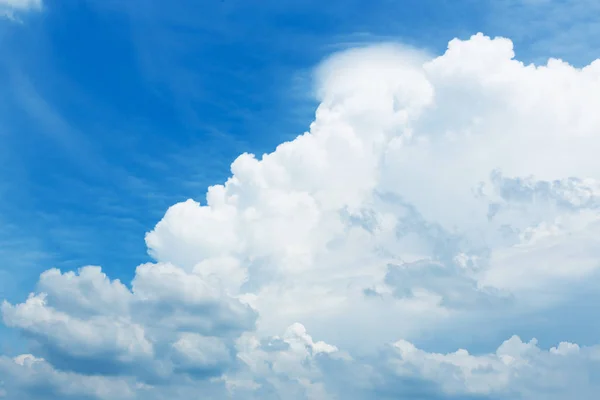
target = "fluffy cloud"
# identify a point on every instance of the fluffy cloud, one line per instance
(169, 321)
(28, 377)
(516, 370)
(431, 194)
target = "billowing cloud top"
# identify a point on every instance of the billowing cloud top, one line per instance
(455, 194)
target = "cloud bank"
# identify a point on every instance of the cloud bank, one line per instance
(455, 196)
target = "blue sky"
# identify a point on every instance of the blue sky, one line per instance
(113, 111)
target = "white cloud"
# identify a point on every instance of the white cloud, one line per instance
(429, 191)
(515, 369)
(28, 377)
(84, 322)
(286, 364)
(401, 164)
(92, 337)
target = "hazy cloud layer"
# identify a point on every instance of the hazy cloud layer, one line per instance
(8, 8)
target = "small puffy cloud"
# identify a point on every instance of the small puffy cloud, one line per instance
(87, 292)
(83, 322)
(281, 366)
(91, 337)
(28, 377)
(452, 194)
(516, 370)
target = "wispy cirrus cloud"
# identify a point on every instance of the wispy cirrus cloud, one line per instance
(542, 28)
(10, 8)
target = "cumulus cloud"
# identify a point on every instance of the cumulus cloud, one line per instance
(28, 377)
(168, 321)
(516, 370)
(430, 194)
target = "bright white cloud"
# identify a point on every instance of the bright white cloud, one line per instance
(429, 194)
